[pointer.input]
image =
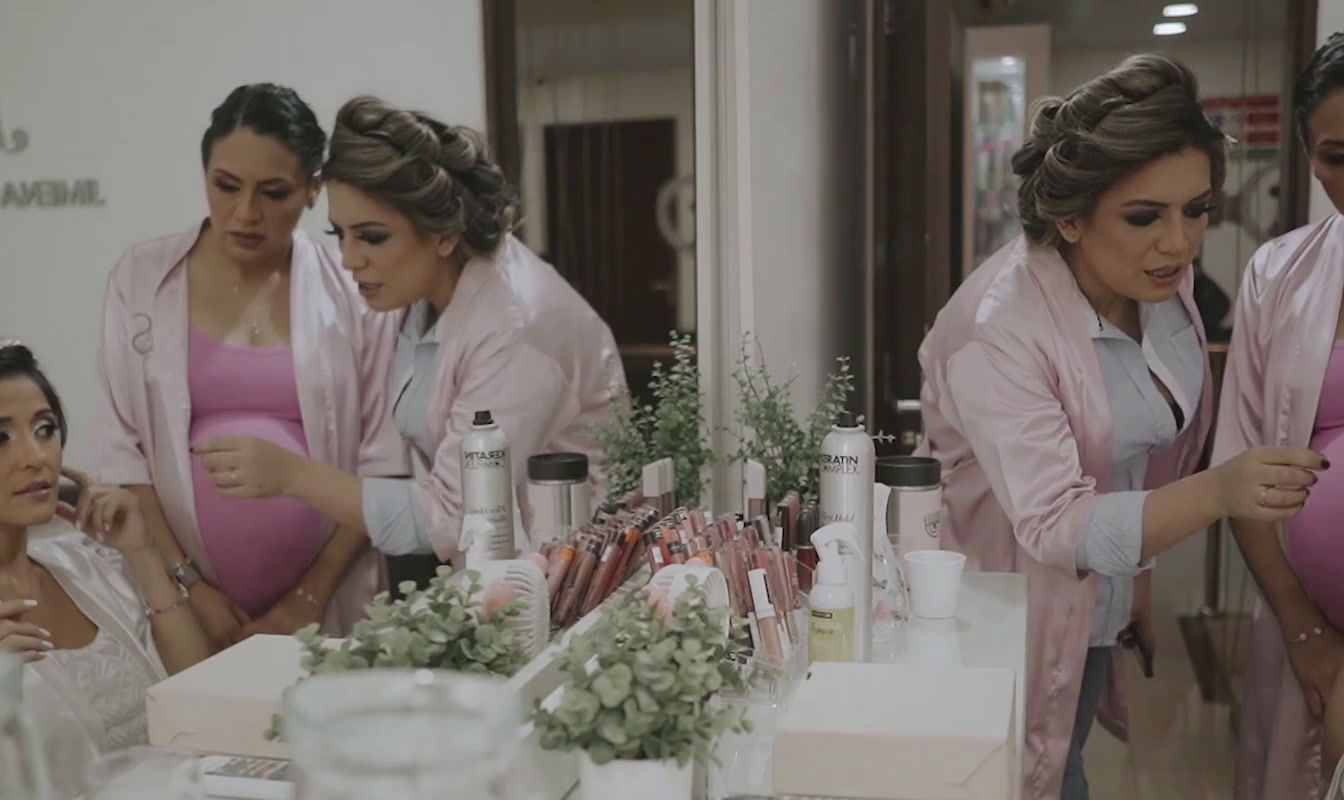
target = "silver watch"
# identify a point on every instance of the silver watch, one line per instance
(185, 575)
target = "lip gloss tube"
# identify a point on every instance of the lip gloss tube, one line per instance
(653, 550)
(557, 569)
(807, 567)
(611, 560)
(593, 593)
(765, 617)
(677, 552)
(723, 559)
(587, 562)
(762, 561)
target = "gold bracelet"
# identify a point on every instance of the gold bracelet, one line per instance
(1307, 636)
(151, 612)
(307, 597)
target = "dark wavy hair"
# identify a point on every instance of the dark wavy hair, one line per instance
(269, 110)
(1323, 77)
(17, 361)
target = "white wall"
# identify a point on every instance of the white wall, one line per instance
(122, 92)
(804, 102)
(1223, 69)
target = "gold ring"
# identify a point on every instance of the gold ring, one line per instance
(1264, 495)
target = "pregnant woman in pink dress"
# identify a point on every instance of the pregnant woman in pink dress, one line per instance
(1315, 549)
(1284, 386)
(243, 326)
(259, 548)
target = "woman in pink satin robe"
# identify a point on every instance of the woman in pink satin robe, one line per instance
(243, 323)
(1067, 394)
(1285, 386)
(424, 220)
(91, 621)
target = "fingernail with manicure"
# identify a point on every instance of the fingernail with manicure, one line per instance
(30, 603)
(46, 634)
(47, 645)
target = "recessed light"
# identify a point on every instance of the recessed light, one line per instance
(1008, 61)
(1180, 10)
(1168, 28)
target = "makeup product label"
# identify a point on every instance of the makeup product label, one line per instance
(831, 634)
(487, 485)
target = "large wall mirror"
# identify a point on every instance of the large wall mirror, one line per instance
(591, 109)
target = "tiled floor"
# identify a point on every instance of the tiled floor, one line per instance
(1181, 748)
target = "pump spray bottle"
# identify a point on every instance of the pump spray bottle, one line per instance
(847, 464)
(831, 625)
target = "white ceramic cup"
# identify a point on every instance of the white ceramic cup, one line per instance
(935, 581)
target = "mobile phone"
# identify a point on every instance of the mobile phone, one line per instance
(1130, 639)
(245, 778)
(68, 492)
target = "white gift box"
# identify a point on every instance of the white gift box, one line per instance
(887, 732)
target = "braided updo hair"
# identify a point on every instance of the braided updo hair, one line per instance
(1079, 146)
(438, 175)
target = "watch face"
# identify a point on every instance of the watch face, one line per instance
(186, 574)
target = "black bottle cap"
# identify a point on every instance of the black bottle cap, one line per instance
(845, 419)
(908, 471)
(483, 418)
(570, 467)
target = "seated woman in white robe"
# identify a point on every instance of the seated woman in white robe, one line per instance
(98, 620)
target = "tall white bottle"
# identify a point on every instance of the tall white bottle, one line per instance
(487, 486)
(847, 457)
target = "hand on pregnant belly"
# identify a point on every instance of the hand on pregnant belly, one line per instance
(287, 617)
(244, 466)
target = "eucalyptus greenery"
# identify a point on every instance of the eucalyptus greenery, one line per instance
(639, 687)
(770, 432)
(673, 426)
(439, 627)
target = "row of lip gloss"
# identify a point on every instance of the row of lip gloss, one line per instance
(587, 567)
(763, 580)
(768, 569)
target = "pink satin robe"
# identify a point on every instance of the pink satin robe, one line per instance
(1282, 336)
(1016, 410)
(342, 356)
(518, 340)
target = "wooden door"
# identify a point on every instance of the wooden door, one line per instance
(602, 184)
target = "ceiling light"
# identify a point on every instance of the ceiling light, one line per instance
(1168, 28)
(1008, 61)
(1180, 10)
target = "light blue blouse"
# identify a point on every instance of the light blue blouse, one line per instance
(1144, 424)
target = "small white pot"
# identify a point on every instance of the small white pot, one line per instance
(623, 780)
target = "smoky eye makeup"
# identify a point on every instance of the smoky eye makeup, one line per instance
(1142, 219)
(373, 236)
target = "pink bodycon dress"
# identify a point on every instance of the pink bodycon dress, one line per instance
(259, 548)
(1316, 536)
